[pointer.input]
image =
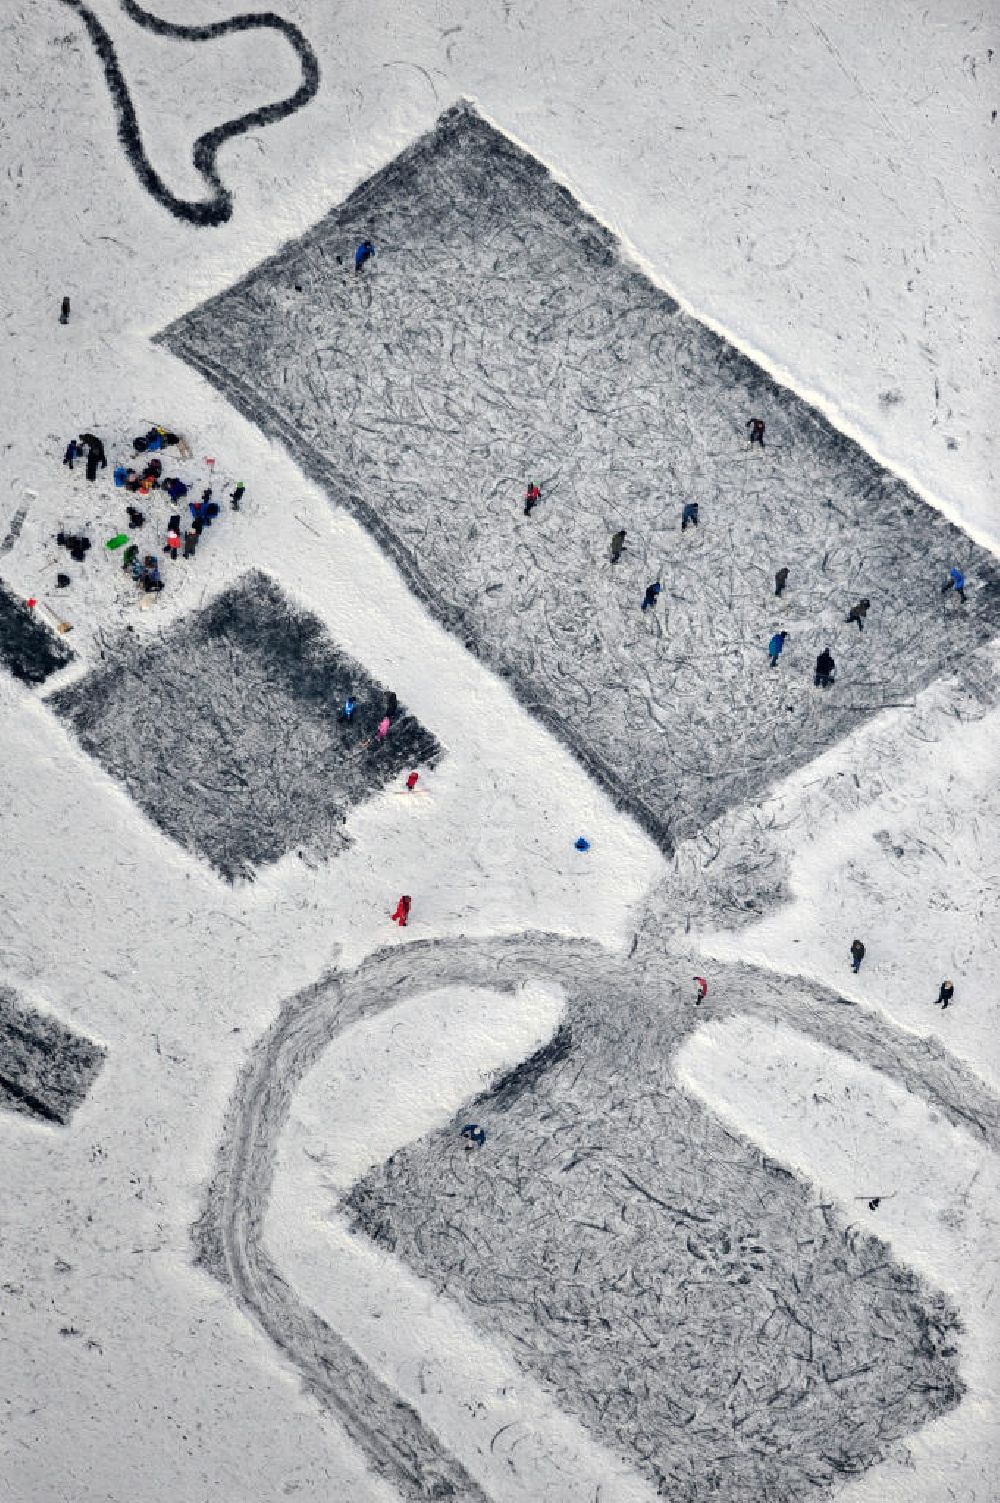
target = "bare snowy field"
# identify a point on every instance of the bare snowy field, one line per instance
(817, 186)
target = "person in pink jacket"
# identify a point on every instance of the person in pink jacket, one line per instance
(383, 728)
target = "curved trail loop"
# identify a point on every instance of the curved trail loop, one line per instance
(217, 208)
(229, 1236)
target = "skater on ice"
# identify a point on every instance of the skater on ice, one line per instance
(756, 426)
(383, 728)
(173, 543)
(348, 709)
(780, 580)
(617, 544)
(474, 1135)
(237, 496)
(190, 543)
(532, 496)
(824, 669)
(64, 311)
(411, 781)
(701, 986)
(944, 996)
(72, 451)
(859, 612)
(857, 955)
(652, 590)
(956, 582)
(689, 516)
(402, 912)
(776, 646)
(364, 253)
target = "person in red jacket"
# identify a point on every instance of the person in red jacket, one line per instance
(402, 912)
(411, 781)
(702, 986)
(532, 496)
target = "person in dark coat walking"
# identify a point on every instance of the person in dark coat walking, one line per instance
(364, 253)
(95, 454)
(857, 955)
(136, 518)
(859, 612)
(652, 590)
(402, 912)
(617, 544)
(72, 452)
(190, 543)
(689, 516)
(64, 311)
(780, 580)
(824, 669)
(237, 496)
(945, 995)
(956, 582)
(391, 703)
(756, 426)
(532, 496)
(776, 646)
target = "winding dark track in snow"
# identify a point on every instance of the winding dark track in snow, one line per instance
(229, 1234)
(218, 207)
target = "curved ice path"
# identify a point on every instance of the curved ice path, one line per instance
(230, 1234)
(217, 208)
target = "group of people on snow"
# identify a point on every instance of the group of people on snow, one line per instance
(140, 479)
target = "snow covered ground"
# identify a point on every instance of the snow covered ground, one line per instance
(814, 182)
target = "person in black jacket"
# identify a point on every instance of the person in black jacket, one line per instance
(945, 995)
(95, 454)
(857, 955)
(824, 669)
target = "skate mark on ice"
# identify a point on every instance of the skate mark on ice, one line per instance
(502, 336)
(46, 1069)
(217, 207)
(654, 1180)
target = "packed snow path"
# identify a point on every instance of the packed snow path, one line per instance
(654, 1007)
(499, 338)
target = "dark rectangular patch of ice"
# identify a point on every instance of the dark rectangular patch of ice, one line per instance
(226, 729)
(500, 337)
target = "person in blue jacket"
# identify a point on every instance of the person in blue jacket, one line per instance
(774, 647)
(364, 253)
(652, 590)
(956, 582)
